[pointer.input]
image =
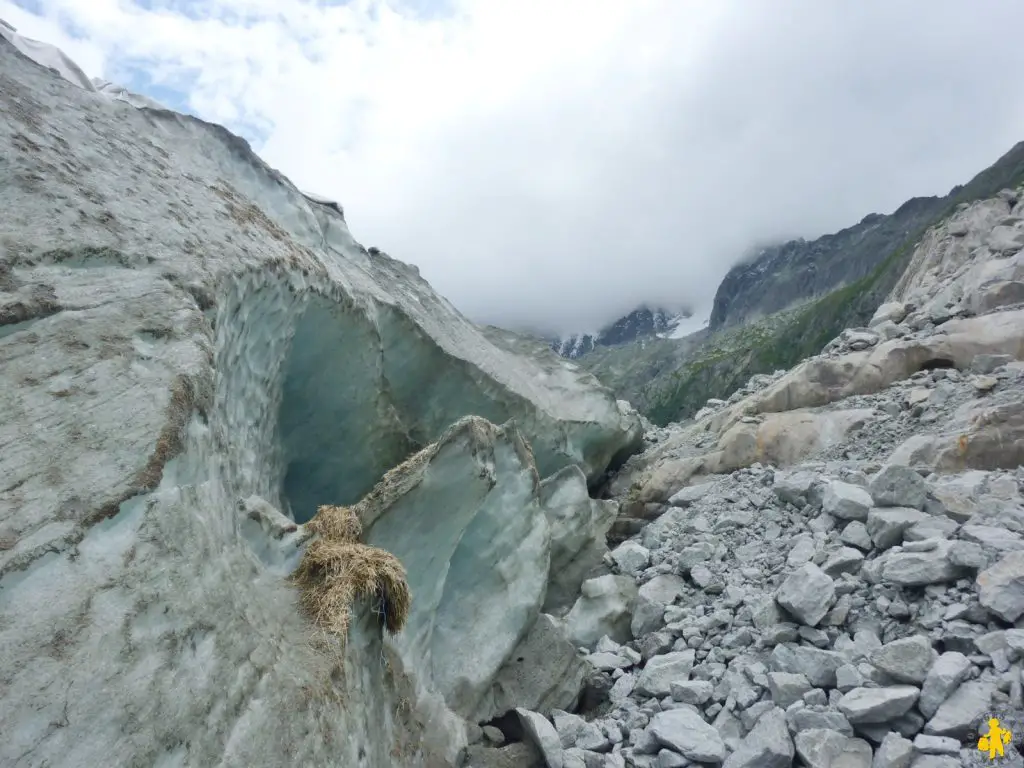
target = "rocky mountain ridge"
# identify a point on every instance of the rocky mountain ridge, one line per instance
(642, 323)
(821, 569)
(669, 380)
(794, 272)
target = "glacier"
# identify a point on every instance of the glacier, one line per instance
(195, 355)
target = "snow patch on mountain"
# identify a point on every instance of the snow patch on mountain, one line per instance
(642, 322)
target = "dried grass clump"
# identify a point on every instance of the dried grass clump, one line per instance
(337, 570)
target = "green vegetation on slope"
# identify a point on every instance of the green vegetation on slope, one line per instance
(726, 362)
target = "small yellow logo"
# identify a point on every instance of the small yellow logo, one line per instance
(993, 741)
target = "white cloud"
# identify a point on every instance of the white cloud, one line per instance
(556, 162)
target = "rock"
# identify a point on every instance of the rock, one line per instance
(688, 495)
(604, 608)
(955, 717)
(897, 486)
(892, 311)
(844, 560)
(846, 501)
(949, 670)
(696, 693)
(936, 745)
(819, 747)
(542, 735)
(787, 687)
(631, 558)
(686, 732)
(807, 594)
(985, 364)
(783, 438)
(1001, 587)
(887, 526)
(818, 665)
(663, 589)
(796, 488)
(907, 660)
(918, 569)
(543, 673)
(856, 534)
(661, 671)
(768, 745)
(877, 705)
(511, 756)
(895, 751)
(986, 383)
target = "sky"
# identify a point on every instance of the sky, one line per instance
(552, 164)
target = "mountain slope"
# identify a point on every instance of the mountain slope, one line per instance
(791, 273)
(642, 323)
(723, 362)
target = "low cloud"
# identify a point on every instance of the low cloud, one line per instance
(553, 164)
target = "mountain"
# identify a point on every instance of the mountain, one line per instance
(787, 304)
(790, 273)
(642, 323)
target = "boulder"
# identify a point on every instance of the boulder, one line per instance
(783, 439)
(1001, 587)
(990, 438)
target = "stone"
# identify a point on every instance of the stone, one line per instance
(818, 665)
(892, 311)
(688, 495)
(768, 745)
(846, 501)
(918, 569)
(1001, 587)
(957, 715)
(660, 672)
(949, 670)
(907, 660)
(844, 560)
(511, 756)
(796, 487)
(544, 672)
(887, 525)
(542, 735)
(877, 705)
(787, 687)
(686, 732)
(895, 751)
(631, 558)
(856, 535)
(985, 364)
(898, 486)
(936, 745)
(819, 747)
(807, 594)
(604, 608)
(696, 693)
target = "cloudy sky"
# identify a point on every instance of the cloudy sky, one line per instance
(557, 162)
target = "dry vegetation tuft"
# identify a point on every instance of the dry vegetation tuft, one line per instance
(337, 570)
